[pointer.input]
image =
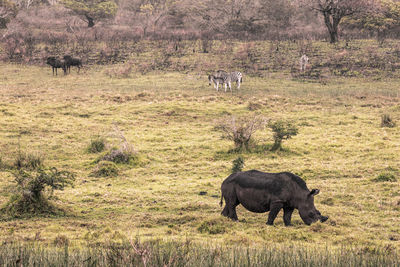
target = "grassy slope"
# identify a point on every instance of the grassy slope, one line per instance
(339, 149)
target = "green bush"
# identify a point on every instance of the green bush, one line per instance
(282, 130)
(385, 177)
(30, 199)
(105, 169)
(97, 145)
(237, 164)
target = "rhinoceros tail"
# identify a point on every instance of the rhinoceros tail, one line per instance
(222, 196)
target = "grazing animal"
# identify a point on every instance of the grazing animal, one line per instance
(261, 192)
(222, 77)
(55, 63)
(303, 62)
(70, 61)
(217, 78)
(235, 76)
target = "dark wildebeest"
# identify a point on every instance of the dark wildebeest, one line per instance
(55, 63)
(71, 61)
(261, 192)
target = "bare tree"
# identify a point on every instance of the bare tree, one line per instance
(334, 11)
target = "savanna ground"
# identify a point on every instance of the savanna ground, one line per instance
(170, 117)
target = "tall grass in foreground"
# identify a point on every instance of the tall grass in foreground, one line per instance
(188, 254)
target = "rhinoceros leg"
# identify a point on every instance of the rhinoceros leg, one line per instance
(274, 210)
(287, 215)
(230, 210)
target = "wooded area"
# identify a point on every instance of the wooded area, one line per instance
(209, 19)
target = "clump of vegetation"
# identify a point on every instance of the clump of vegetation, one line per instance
(105, 169)
(97, 145)
(240, 130)
(387, 121)
(28, 161)
(238, 164)
(385, 177)
(122, 152)
(61, 241)
(33, 190)
(282, 130)
(212, 227)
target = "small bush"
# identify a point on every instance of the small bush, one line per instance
(121, 155)
(212, 227)
(30, 199)
(240, 130)
(237, 165)
(385, 177)
(282, 130)
(105, 169)
(28, 161)
(387, 121)
(97, 145)
(124, 152)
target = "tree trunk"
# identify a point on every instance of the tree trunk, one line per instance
(90, 21)
(332, 24)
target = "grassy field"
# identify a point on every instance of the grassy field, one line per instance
(170, 118)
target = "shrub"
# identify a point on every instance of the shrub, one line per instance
(124, 152)
(237, 164)
(240, 130)
(211, 227)
(105, 169)
(385, 177)
(30, 199)
(387, 121)
(97, 145)
(282, 130)
(28, 161)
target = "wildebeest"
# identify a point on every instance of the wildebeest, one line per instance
(303, 62)
(55, 63)
(71, 61)
(261, 192)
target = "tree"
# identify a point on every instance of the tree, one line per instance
(149, 13)
(282, 131)
(92, 10)
(334, 11)
(8, 10)
(383, 19)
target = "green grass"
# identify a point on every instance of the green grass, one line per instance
(172, 253)
(169, 118)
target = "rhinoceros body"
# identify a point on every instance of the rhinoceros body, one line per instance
(261, 192)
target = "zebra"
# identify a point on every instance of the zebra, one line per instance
(217, 78)
(303, 62)
(226, 79)
(234, 76)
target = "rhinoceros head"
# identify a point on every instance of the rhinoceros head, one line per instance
(308, 213)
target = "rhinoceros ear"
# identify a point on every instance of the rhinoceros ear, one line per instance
(314, 192)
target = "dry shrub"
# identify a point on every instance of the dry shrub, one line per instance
(124, 152)
(240, 129)
(387, 121)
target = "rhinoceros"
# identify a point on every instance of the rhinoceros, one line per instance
(261, 192)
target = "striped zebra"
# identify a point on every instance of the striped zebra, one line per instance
(225, 78)
(217, 78)
(303, 62)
